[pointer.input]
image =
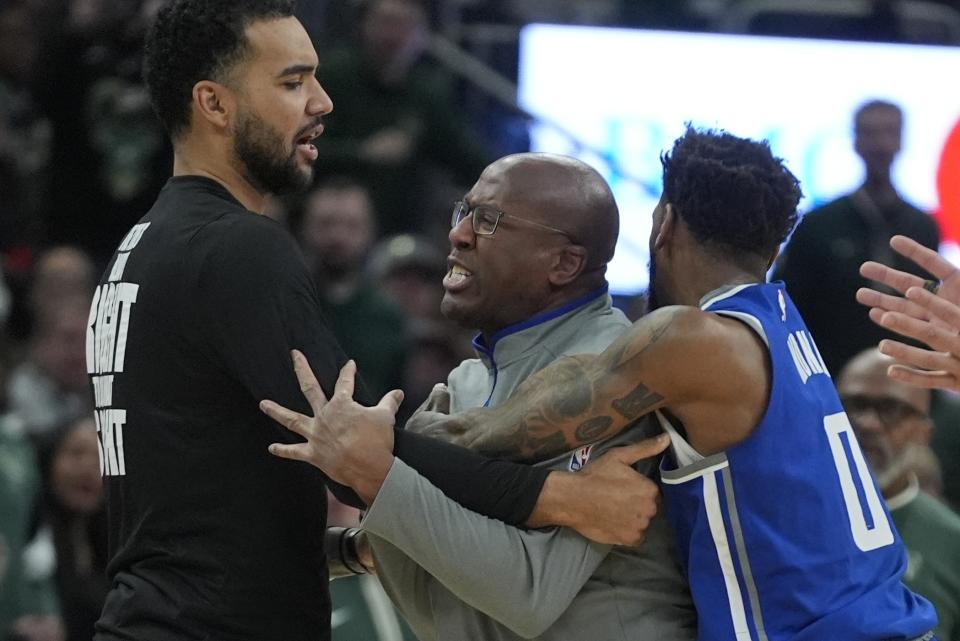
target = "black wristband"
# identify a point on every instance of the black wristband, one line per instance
(341, 557)
(349, 554)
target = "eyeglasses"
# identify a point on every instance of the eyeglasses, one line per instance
(891, 411)
(485, 219)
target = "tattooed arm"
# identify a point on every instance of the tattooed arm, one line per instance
(574, 401)
(707, 369)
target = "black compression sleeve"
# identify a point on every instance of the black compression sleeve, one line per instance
(500, 489)
(344, 494)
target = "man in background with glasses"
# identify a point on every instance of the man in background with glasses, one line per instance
(892, 423)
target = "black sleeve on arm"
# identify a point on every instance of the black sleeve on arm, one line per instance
(500, 489)
(266, 306)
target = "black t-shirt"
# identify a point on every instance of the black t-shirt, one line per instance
(211, 537)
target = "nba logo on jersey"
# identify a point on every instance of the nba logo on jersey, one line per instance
(579, 458)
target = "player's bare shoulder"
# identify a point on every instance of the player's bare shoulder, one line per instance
(687, 353)
(670, 335)
(710, 370)
(653, 332)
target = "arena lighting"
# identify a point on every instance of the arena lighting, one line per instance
(616, 98)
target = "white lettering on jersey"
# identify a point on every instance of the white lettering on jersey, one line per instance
(103, 390)
(865, 536)
(806, 356)
(133, 237)
(802, 368)
(108, 326)
(127, 295)
(110, 427)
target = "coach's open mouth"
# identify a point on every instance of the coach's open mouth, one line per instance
(457, 278)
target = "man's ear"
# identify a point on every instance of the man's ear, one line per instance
(214, 103)
(667, 228)
(569, 263)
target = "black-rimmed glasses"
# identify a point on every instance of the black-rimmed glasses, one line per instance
(891, 411)
(485, 219)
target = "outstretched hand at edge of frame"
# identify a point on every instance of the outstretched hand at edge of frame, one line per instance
(927, 311)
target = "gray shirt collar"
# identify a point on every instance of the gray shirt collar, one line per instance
(513, 341)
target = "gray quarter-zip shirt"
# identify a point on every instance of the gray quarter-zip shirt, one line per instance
(456, 575)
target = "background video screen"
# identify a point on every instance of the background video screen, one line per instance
(616, 98)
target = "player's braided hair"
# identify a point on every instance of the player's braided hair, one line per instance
(194, 40)
(732, 193)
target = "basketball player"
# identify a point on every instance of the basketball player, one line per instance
(193, 323)
(780, 526)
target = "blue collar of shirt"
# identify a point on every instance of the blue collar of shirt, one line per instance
(481, 346)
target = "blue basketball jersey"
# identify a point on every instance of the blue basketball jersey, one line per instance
(785, 536)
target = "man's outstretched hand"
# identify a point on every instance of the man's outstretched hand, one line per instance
(350, 443)
(928, 311)
(608, 501)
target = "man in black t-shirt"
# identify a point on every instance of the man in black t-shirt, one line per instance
(193, 323)
(821, 262)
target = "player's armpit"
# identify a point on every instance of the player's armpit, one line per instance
(581, 399)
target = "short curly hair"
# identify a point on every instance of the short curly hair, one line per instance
(194, 40)
(733, 193)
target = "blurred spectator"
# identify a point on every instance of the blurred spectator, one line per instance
(929, 472)
(25, 132)
(945, 411)
(28, 602)
(874, 20)
(57, 273)
(821, 261)
(591, 12)
(60, 273)
(409, 270)
(51, 385)
(336, 233)
(109, 154)
(124, 134)
(394, 117)
(74, 513)
(6, 303)
(891, 422)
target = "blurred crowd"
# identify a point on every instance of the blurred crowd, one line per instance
(82, 158)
